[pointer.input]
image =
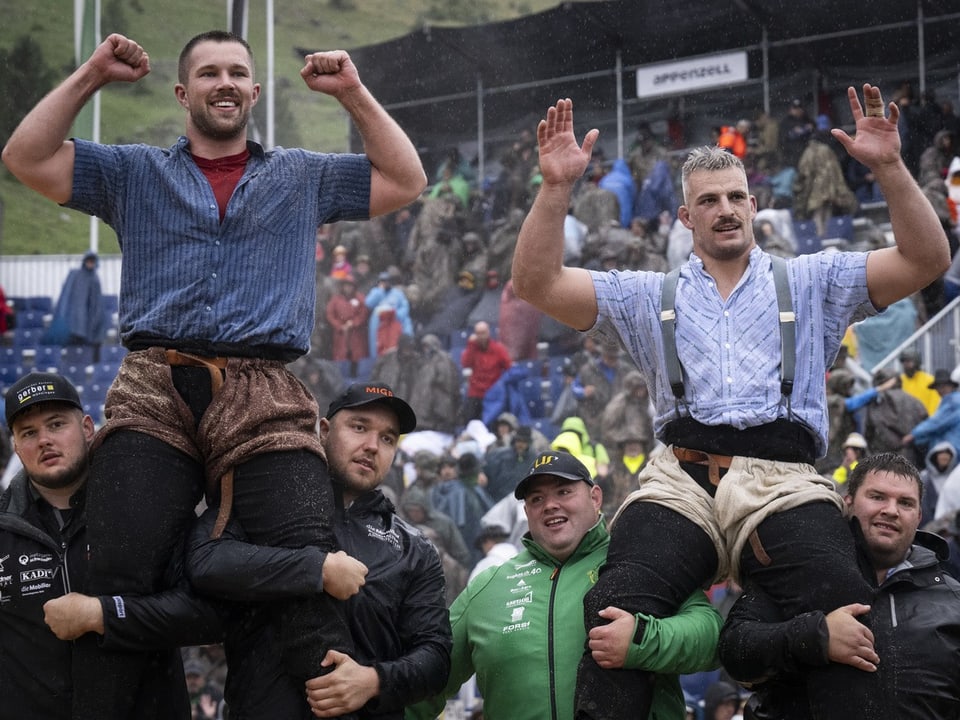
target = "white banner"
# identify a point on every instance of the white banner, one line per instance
(696, 74)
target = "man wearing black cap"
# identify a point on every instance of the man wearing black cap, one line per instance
(519, 625)
(43, 560)
(398, 618)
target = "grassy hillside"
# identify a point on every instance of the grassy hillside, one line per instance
(146, 112)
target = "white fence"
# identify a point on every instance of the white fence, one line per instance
(33, 275)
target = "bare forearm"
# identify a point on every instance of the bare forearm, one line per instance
(398, 176)
(539, 253)
(916, 227)
(539, 276)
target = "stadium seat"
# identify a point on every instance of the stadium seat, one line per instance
(78, 354)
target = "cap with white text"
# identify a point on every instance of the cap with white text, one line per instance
(37, 388)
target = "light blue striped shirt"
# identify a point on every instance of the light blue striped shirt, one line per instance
(730, 349)
(249, 281)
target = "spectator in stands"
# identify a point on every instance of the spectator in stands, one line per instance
(854, 450)
(487, 359)
(487, 308)
(938, 465)
(518, 325)
(917, 382)
(820, 189)
(7, 313)
(944, 424)
(79, 317)
(795, 130)
(347, 314)
(863, 183)
(627, 458)
(437, 395)
(494, 543)
(454, 306)
(935, 160)
(505, 466)
(840, 386)
(474, 254)
(363, 274)
(619, 181)
(733, 138)
(880, 335)
(340, 268)
(461, 497)
(767, 151)
(452, 184)
(597, 382)
(398, 367)
(891, 415)
(386, 295)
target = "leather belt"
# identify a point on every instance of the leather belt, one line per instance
(216, 366)
(699, 457)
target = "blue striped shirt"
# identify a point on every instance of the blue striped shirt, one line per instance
(730, 349)
(248, 282)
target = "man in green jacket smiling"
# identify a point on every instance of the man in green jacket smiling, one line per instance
(520, 628)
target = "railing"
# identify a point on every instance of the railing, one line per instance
(936, 341)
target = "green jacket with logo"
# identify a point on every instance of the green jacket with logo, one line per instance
(519, 627)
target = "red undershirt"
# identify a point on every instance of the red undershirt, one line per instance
(223, 174)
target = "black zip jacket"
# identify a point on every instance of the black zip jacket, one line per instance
(39, 562)
(399, 619)
(915, 619)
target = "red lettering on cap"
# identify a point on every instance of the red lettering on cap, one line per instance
(379, 391)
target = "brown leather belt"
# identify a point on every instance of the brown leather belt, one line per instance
(699, 457)
(216, 366)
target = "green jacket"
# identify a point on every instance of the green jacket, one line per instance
(519, 627)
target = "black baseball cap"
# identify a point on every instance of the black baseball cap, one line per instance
(556, 464)
(37, 388)
(360, 394)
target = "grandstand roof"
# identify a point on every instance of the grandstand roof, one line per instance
(429, 79)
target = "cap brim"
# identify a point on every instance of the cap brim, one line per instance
(521, 488)
(406, 418)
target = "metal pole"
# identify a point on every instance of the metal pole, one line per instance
(271, 137)
(94, 221)
(480, 132)
(619, 76)
(921, 50)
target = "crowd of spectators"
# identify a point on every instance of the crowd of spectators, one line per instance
(422, 300)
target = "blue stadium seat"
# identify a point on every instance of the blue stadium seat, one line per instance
(40, 303)
(48, 356)
(10, 373)
(112, 353)
(26, 338)
(104, 373)
(30, 319)
(78, 354)
(808, 241)
(111, 303)
(77, 374)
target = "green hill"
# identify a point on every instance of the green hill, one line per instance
(146, 112)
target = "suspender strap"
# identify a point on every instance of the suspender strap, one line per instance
(788, 330)
(668, 326)
(788, 326)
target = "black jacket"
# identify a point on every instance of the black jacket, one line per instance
(399, 620)
(915, 619)
(40, 561)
